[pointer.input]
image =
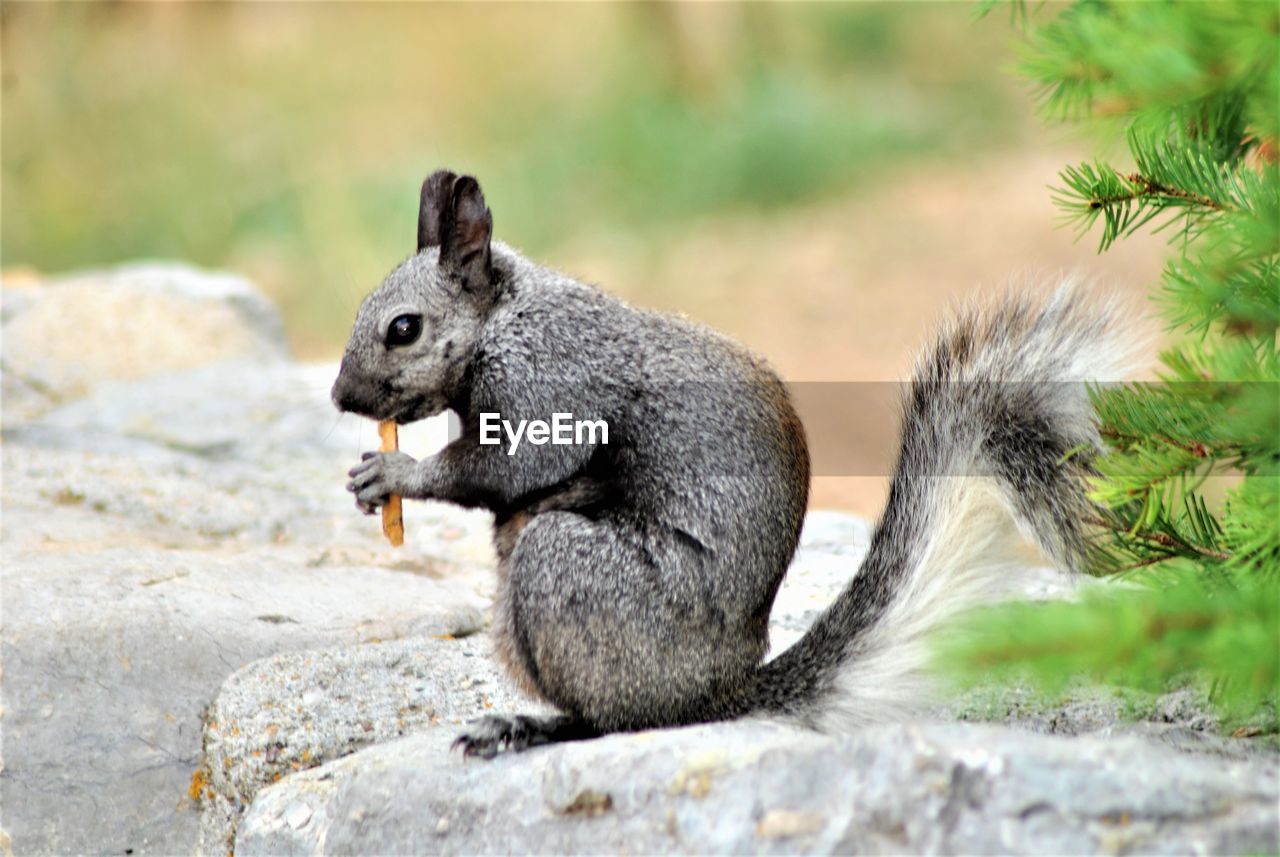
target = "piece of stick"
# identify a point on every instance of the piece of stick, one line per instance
(392, 522)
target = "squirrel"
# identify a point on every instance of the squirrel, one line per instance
(636, 572)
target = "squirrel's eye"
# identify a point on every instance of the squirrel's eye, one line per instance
(404, 330)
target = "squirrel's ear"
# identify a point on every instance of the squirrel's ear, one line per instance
(465, 231)
(436, 193)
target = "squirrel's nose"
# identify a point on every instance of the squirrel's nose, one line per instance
(348, 394)
(338, 393)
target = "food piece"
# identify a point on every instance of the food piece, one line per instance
(392, 522)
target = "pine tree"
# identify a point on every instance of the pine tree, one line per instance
(1194, 88)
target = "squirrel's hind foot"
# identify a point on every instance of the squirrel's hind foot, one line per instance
(492, 734)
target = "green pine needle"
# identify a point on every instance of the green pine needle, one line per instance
(1196, 88)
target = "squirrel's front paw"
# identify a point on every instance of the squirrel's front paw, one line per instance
(378, 475)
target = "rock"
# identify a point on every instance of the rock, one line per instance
(831, 547)
(830, 532)
(302, 813)
(299, 710)
(1181, 719)
(520, 803)
(65, 336)
(264, 437)
(162, 532)
(228, 411)
(755, 787)
(111, 654)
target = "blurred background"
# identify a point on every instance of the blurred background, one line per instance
(819, 181)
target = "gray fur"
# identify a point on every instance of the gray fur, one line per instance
(636, 579)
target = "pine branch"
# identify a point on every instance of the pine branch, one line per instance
(1238, 294)
(1159, 538)
(1251, 524)
(1195, 87)
(1174, 177)
(1124, 59)
(1195, 447)
(1147, 187)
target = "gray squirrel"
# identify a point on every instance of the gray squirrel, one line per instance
(636, 576)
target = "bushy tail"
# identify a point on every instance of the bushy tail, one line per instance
(997, 431)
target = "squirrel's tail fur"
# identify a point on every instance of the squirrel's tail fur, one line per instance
(996, 436)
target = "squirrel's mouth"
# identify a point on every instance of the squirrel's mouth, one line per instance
(355, 394)
(419, 408)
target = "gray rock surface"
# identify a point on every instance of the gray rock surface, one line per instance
(111, 655)
(161, 532)
(362, 803)
(256, 731)
(64, 336)
(299, 710)
(761, 788)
